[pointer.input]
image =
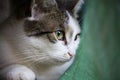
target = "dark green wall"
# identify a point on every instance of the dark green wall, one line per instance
(98, 57)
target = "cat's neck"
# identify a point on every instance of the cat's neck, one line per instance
(44, 71)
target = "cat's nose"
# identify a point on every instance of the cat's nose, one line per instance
(71, 54)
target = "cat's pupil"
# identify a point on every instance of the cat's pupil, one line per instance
(60, 35)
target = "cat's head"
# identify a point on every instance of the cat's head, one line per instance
(52, 29)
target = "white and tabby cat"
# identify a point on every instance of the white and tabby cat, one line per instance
(40, 45)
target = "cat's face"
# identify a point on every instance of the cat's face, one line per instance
(57, 42)
(54, 35)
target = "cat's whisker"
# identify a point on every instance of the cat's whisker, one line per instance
(30, 58)
(41, 59)
(26, 58)
(35, 61)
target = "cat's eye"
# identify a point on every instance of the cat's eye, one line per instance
(76, 37)
(60, 35)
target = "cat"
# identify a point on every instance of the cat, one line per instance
(39, 42)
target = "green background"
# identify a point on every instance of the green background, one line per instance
(98, 57)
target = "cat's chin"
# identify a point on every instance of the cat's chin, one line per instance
(64, 61)
(59, 62)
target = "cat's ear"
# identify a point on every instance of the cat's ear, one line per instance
(34, 8)
(38, 8)
(41, 7)
(44, 5)
(72, 6)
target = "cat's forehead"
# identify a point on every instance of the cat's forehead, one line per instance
(54, 20)
(51, 21)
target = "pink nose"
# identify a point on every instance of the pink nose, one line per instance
(71, 54)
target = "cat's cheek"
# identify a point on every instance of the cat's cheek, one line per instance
(63, 57)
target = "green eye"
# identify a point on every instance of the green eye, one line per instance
(60, 35)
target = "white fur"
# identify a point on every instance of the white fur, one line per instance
(19, 72)
(44, 59)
